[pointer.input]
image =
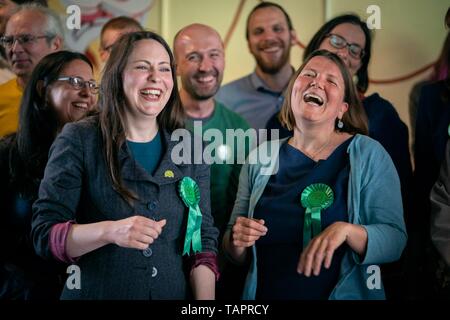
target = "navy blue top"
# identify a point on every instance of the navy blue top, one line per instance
(147, 154)
(386, 127)
(278, 252)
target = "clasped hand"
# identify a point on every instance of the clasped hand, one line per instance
(246, 231)
(136, 232)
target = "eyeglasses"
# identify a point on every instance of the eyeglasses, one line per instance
(338, 42)
(24, 39)
(78, 83)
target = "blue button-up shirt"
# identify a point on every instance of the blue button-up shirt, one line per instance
(251, 98)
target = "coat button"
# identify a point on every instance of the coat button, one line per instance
(152, 205)
(147, 252)
(154, 272)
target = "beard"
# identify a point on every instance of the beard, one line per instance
(273, 66)
(202, 93)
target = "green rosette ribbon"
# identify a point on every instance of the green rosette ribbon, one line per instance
(314, 198)
(190, 193)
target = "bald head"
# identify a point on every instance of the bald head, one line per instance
(196, 33)
(199, 54)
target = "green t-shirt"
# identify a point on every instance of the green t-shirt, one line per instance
(224, 177)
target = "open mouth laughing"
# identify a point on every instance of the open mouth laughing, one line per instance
(151, 93)
(313, 99)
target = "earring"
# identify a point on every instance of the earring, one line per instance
(340, 124)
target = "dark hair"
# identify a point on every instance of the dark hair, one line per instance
(38, 122)
(324, 31)
(355, 119)
(267, 4)
(118, 23)
(112, 104)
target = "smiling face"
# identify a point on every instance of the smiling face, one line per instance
(318, 93)
(24, 57)
(352, 34)
(200, 60)
(147, 80)
(69, 103)
(269, 39)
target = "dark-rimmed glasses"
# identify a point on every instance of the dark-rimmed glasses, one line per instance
(338, 42)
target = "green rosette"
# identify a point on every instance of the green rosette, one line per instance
(448, 130)
(315, 198)
(190, 194)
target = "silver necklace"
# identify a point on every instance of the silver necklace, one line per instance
(317, 152)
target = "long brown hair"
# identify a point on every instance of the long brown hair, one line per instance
(113, 104)
(355, 119)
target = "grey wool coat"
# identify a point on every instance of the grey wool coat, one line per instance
(77, 186)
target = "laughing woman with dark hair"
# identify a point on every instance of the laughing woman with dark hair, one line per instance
(113, 201)
(55, 95)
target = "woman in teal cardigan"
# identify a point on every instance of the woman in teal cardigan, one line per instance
(316, 219)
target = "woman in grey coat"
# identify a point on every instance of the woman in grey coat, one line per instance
(113, 201)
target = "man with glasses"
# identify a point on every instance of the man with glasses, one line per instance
(32, 32)
(7, 8)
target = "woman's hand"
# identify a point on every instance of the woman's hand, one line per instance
(246, 231)
(136, 232)
(321, 248)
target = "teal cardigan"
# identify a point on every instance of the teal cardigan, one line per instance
(374, 202)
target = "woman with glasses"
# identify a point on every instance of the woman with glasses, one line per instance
(55, 95)
(316, 220)
(115, 200)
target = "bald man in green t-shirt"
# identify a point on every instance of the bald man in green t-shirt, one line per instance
(199, 53)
